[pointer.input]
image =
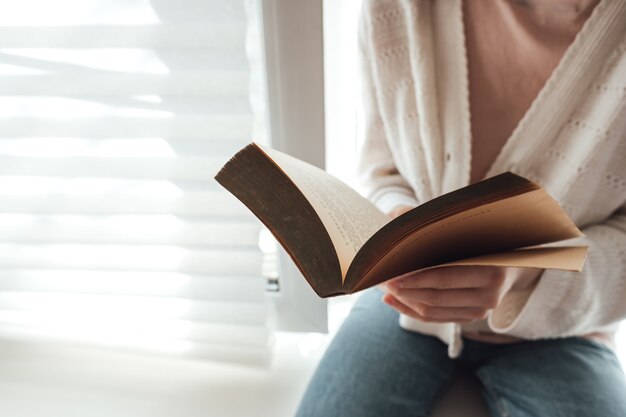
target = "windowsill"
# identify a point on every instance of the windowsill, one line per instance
(38, 380)
(50, 381)
(46, 380)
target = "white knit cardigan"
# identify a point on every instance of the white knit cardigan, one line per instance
(572, 141)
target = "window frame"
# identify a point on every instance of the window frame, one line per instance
(292, 42)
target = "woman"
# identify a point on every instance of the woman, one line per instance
(456, 91)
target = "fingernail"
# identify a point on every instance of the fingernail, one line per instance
(395, 283)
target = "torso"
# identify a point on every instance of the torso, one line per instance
(510, 57)
(428, 135)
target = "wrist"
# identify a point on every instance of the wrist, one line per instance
(524, 279)
(398, 211)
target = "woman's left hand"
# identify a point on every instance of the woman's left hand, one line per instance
(460, 294)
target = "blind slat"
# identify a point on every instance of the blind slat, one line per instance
(137, 12)
(140, 331)
(222, 289)
(157, 107)
(192, 35)
(146, 200)
(175, 168)
(121, 60)
(189, 83)
(217, 261)
(184, 348)
(117, 147)
(120, 307)
(229, 127)
(131, 229)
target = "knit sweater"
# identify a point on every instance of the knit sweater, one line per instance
(416, 145)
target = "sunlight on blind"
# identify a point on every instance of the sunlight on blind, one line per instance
(114, 118)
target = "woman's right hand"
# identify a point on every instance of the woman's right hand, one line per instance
(398, 211)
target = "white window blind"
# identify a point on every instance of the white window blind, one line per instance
(114, 117)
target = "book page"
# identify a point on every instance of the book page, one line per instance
(524, 220)
(349, 218)
(567, 258)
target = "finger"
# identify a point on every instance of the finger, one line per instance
(432, 316)
(450, 278)
(448, 298)
(431, 313)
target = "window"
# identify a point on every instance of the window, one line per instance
(292, 64)
(114, 117)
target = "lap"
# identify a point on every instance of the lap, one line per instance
(570, 377)
(373, 367)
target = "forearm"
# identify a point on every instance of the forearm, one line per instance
(377, 171)
(562, 303)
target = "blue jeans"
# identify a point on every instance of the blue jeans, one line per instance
(375, 368)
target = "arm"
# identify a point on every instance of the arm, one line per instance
(377, 170)
(568, 303)
(522, 302)
(458, 294)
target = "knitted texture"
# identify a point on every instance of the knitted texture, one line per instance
(416, 145)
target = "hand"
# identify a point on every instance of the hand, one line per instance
(460, 294)
(398, 211)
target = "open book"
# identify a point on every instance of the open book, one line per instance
(342, 243)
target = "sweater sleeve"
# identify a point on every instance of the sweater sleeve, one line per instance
(572, 304)
(377, 171)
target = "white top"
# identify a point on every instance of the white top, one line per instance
(572, 141)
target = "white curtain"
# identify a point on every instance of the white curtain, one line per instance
(114, 117)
